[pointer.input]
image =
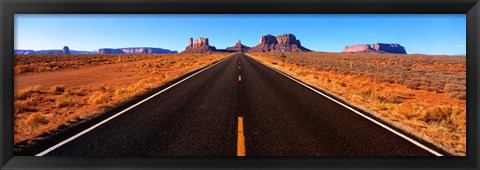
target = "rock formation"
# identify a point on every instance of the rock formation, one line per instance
(23, 52)
(272, 43)
(135, 50)
(200, 45)
(30, 52)
(239, 47)
(110, 51)
(190, 42)
(376, 48)
(66, 50)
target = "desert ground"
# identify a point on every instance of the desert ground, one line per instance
(420, 94)
(54, 90)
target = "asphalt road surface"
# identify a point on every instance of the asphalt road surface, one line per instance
(237, 107)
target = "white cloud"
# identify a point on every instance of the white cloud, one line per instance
(459, 45)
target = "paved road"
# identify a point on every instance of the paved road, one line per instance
(239, 107)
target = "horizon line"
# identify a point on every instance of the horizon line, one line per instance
(222, 48)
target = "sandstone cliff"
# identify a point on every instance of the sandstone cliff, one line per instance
(239, 47)
(200, 45)
(135, 50)
(66, 50)
(377, 48)
(272, 43)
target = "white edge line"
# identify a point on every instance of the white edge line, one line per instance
(359, 113)
(119, 113)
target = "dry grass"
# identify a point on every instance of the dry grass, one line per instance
(42, 108)
(66, 101)
(45, 63)
(48, 63)
(37, 119)
(58, 88)
(423, 95)
(27, 92)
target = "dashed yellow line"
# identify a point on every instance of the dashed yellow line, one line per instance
(241, 138)
(239, 78)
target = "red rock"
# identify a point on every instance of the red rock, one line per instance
(376, 48)
(271, 43)
(66, 50)
(200, 45)
(239, 47)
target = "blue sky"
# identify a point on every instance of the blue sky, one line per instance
(426, 34)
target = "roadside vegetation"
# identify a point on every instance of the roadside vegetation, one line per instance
(421, 94)
(44, 107)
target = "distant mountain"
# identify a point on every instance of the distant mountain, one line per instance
(239, 47)
(200, 45)
(135, 50)
(25, 52)
(376, 48)
(271, 43)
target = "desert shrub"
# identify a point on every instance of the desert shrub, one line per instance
(99, 97)
(460, 119)
(57, 88)
(441, 113)
(303, 73)
(458, 95)
(366, 92)
(23, 69)
(36, 119)
(65, 100)
(40, 69)
(388, 98)
(100, 88)
(389, 79)
(146, 83)
(454, 88)
(19, 105)
(36, 88)
(345, 72)
(26, 92)
(78, 92)
(121, 91)
(457, 91)
(35, 98)
(410, 110)
(164, 76)
(23, 106)
(298, 64)
(412, 84)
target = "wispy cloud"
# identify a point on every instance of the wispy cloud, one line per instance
(459, 45)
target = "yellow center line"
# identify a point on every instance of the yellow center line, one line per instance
(241, 138)
(239, 78)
